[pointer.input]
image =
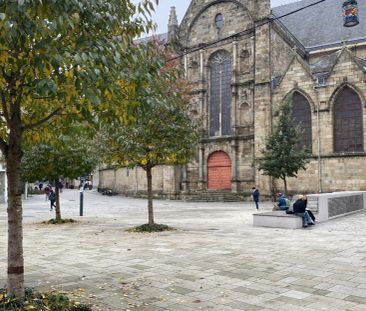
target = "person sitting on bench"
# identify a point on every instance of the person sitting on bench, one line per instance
(299, 208)
(283, 203)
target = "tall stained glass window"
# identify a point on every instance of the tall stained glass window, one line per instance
(301, 115)
(220, 94)
(347, 126)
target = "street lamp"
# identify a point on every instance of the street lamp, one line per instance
(350, 13)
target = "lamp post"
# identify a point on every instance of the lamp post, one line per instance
(350, 13)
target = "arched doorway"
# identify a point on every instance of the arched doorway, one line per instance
(219, 171)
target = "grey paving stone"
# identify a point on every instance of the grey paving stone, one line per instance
(237, 267)
(357, 299)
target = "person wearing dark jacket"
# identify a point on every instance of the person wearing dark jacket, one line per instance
(52, 198)
(299, 209)
(255, 195)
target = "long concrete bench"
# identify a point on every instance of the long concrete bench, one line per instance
(277, 219)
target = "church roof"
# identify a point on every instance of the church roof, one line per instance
(159, 37)
(325, 63)
(322, 24)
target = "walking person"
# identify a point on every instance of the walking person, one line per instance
(52, 198)
(255, 195)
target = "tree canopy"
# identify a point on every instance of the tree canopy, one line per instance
(162, 132)
(65, 59)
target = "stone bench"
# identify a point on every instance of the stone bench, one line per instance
(277, 219)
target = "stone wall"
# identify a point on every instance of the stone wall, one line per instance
(133, 182)
(198, 24)
(281, 53)
(338, 171)
(256, 58)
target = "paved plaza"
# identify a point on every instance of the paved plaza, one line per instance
(215, 260)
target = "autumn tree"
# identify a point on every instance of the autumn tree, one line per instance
(284, 155)
(58, 59)
(162, 132)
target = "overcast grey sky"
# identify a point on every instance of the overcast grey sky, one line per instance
(162, 12)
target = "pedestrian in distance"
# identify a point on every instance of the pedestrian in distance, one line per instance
(52, 198)
(47, 191)
(61, 186)
(255, 195)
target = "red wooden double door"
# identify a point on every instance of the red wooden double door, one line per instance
(219, 171)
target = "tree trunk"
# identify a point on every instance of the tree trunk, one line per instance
(149, 195)
(13, 156)
(58, 208)
(285, 184)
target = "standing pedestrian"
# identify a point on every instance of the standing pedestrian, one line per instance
(60, 186)
(47, 191)
(255, 195)
(52, 198)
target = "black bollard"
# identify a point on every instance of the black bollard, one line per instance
(81, 200)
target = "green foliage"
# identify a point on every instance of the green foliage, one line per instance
(282, 156)
(162, 132)
(66, 56)
(67, 60)
(151, 228)
(63, 153)
(40, 302)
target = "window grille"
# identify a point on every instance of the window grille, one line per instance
(348, 127)
(301, 115)
(220, 94)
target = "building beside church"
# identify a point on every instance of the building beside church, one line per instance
(242, 60)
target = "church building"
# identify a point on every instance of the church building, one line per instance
(242, 59)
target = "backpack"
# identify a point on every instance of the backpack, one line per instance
(52, 196)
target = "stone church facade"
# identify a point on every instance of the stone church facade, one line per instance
(242, 60)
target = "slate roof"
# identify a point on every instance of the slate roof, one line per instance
(322, 24)
(325, 63)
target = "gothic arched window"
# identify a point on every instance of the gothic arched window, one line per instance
(301, 115)
(219, 21)
(220, 95)
(348, 127)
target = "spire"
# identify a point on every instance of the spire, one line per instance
(173, 26)
(173, 20)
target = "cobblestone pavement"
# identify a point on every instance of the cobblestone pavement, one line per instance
(216, 260)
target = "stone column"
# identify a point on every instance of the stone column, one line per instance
(234, 166)
(202, 65)
(262, 97)
(184, 175)
(234, 89)
(201, 168)
(185, 60)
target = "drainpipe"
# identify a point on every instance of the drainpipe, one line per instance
(318, 139)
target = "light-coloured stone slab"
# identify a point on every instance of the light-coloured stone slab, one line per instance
(277, 219)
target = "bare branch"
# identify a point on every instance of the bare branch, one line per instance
(33, 125)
